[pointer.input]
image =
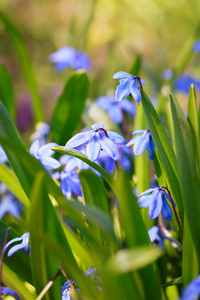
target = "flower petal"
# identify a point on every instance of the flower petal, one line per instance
(97, 126)
(115, 113)
(136, 132)
(108, 146)
(145, 200)
(45, 150)
(35, 147)
(166, 210)
(50, 163)
(105, 102)
(116, 138)
(121, 74)
(151, 148)
(128, 107)
(8, 291)
(147, 192)
(134, 90)
(141, 144)
(156, 205)
(78, 139)
(93, 147)
(123, 90)
(132, 141)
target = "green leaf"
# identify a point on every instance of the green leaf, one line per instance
(70, 105)
(110, 180)
(9, 131)
(94, 191)
(94, 194)
(186, 53)
(47, 253)
(136, 234)
(135, 69)
(193, 121)
(187, 172)
(142, 165)
(44, 219)
(25, 63)
(8, 177)
(164, 147)
(127, 260)
(19, 262)
(6, 91)
(13, 281)
(175, 281)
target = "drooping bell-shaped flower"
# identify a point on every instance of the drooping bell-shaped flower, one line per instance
(129, 84)
(157, 201)
(142, 143)
(96, 140)
(23, 246)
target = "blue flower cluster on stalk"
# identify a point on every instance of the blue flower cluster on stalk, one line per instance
(68, 57)
(142, 143)
(129, 84)
(156, 199)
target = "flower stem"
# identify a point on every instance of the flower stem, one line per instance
(175, 212)
(166, 232)
(47, 287)
(2, 255)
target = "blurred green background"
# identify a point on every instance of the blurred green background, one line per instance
(111, 32)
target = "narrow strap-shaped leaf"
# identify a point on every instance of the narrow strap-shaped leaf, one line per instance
(45, 264)
(110, 180)
(8, 130)
(70, 105)
(193, 121)
(8, 177)
(186, 53)
(94, 190)
(190, 268)
(13, 281)
(135, 69)
(187, 172)
(6, 91)
(25, 63)
(136, 235)
(165, 149)
(142, 165)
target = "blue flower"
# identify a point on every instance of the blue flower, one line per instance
(7, 291)
(142, 143)
(23, 246)
(129, 84)
(196, 46)
(70, 184)
(156, 200)
(192, 290)
(68, 57)
(115, 109)
(9, 205)
(3, 156)
(167, 74)
(96, 140)
(43, 154)
(124, 159)
(41, 132)
(156, 236)
(184, 82)
(92, 273)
